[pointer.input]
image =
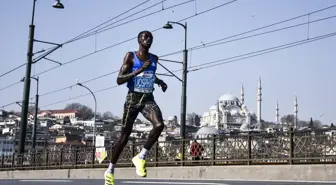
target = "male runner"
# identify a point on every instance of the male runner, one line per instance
(138, 70)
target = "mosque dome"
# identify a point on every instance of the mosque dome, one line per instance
(207, 131)
(228, 97)
(171, 118)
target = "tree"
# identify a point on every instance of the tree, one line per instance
(197, 120)
(84, 111)
(193, 119)
(31, 109)
(98, 115)
(107, 115)
(288, 119)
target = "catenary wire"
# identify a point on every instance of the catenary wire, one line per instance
(89, 54)
(101, 90)
(125, 41)
(215, 43)
(273, 24)
(109, 20)
(110, 26)
(127, 22)
(71, 40)
(265, 51)
(160, 56)
(92, 53)
(196, 46)
(256, 53)
(118, 70)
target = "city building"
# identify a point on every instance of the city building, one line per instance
(6, 146)
(59, 114)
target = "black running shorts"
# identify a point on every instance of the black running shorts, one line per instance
(140, 102)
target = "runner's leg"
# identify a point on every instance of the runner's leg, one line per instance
(131, 111)
(152, 113)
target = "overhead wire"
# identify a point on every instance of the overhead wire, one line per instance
(230, 60)
(110, 26)
(125, 41)
(109, 20)
(253, 30)
(307, 14)
(87, 55)
(204, 46)
(256, 53)
(295, 44)
(160, 56)
(76, 37)
(95, 92)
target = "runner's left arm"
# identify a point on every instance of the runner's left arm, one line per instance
(158, 81)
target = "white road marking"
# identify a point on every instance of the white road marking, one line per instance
(44, 180)
(246, 180)
(178, 183)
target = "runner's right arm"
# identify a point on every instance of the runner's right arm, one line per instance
(125, 73)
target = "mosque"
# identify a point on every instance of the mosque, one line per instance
(230, 113)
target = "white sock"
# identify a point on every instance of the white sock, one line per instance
(110, 169)
(143, 153)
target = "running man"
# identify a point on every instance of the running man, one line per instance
(138, 70)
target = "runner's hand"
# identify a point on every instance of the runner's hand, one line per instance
(163, 86)
(146, 64)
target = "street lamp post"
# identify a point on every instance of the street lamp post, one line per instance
(26, 90)
(36, 109)
(95, 112)
(184, 77)
(184, 86)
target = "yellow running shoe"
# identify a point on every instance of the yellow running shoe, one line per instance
(109, 178)
(140, 165)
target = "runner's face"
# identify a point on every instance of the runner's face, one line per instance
(146, 40)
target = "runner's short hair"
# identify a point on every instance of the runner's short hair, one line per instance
(145, 31)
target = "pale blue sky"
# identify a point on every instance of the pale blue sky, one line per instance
(307, 70)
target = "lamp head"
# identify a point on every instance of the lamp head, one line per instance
(168, 26)
(58, 5)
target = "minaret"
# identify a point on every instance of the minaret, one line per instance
(242, 94)
(295, 112)
(259, 102)
(277, 113)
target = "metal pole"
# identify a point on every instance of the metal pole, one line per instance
(184, 85)
(94, 116)
(26, 91)
(36, 110)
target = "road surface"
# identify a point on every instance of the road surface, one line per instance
(149, 182)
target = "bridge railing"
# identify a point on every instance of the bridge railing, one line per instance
(292, 147)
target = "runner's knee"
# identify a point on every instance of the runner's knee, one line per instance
(159, 126)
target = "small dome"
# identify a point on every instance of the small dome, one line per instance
(228, 97)
(208, 131)
(171, 118)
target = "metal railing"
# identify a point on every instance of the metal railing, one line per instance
(292, 147)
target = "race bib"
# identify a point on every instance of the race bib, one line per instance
(144, 82)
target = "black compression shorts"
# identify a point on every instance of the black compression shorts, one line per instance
(140, 102)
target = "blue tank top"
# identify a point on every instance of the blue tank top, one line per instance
(144, 82)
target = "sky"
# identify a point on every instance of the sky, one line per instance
(306, 71)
